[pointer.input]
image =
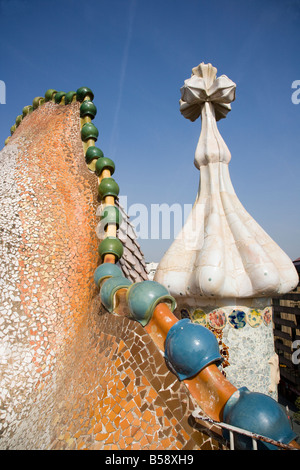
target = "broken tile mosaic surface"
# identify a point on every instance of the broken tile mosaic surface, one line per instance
(72, 375)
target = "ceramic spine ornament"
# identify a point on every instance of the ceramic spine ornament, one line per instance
(221, 257)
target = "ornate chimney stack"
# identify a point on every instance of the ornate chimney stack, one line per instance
(223, 268)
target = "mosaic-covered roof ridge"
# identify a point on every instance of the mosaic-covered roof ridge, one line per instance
(132, 262)
(150, 304)
(59, 97)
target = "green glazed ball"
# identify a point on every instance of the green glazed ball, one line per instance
(19, 120)
(111, 245)
(49, 95)
(70, 97)
(27, 110)
(88, 108)
(38, 101)
(110, 215)
(104, 163)
(59, 96)
(108, 187)
(92, 153)
(83, 93)
(89, 131)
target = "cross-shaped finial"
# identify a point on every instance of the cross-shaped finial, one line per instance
(209, 96)
(203, 86)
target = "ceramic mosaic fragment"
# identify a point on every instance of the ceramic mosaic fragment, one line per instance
(217, 319)
(254, 318)
(237, 319)
(267, 316)
(199, 316)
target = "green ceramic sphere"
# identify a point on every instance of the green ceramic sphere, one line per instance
(104, 163)
(19, 120)
(88, 108)
(83, 93)
(108, 187)
(49, 95)
(93, 153)
(27, 110)
(12, 129)
(38, 101)
(59, 96)
(110, 215)
(111, 245)
(89, 131)
(70, 97)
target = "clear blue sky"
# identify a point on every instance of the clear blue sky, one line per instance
(135, 56)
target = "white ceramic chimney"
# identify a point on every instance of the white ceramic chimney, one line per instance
(223, 268)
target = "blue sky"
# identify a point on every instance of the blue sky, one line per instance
(135, 56)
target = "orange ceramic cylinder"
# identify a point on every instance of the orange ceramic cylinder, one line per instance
(160, 323)
(209, 387)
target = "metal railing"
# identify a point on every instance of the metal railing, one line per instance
(235, 430)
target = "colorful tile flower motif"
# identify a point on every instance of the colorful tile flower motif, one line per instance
(254, 318)
(237, 319)
(185, 313)
(217, 319)
(267, 316)
(199, 317)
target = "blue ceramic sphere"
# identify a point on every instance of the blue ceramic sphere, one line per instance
(260, 414)
(190, 347)
(143, 297)
(106, 270)
(109, 289)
